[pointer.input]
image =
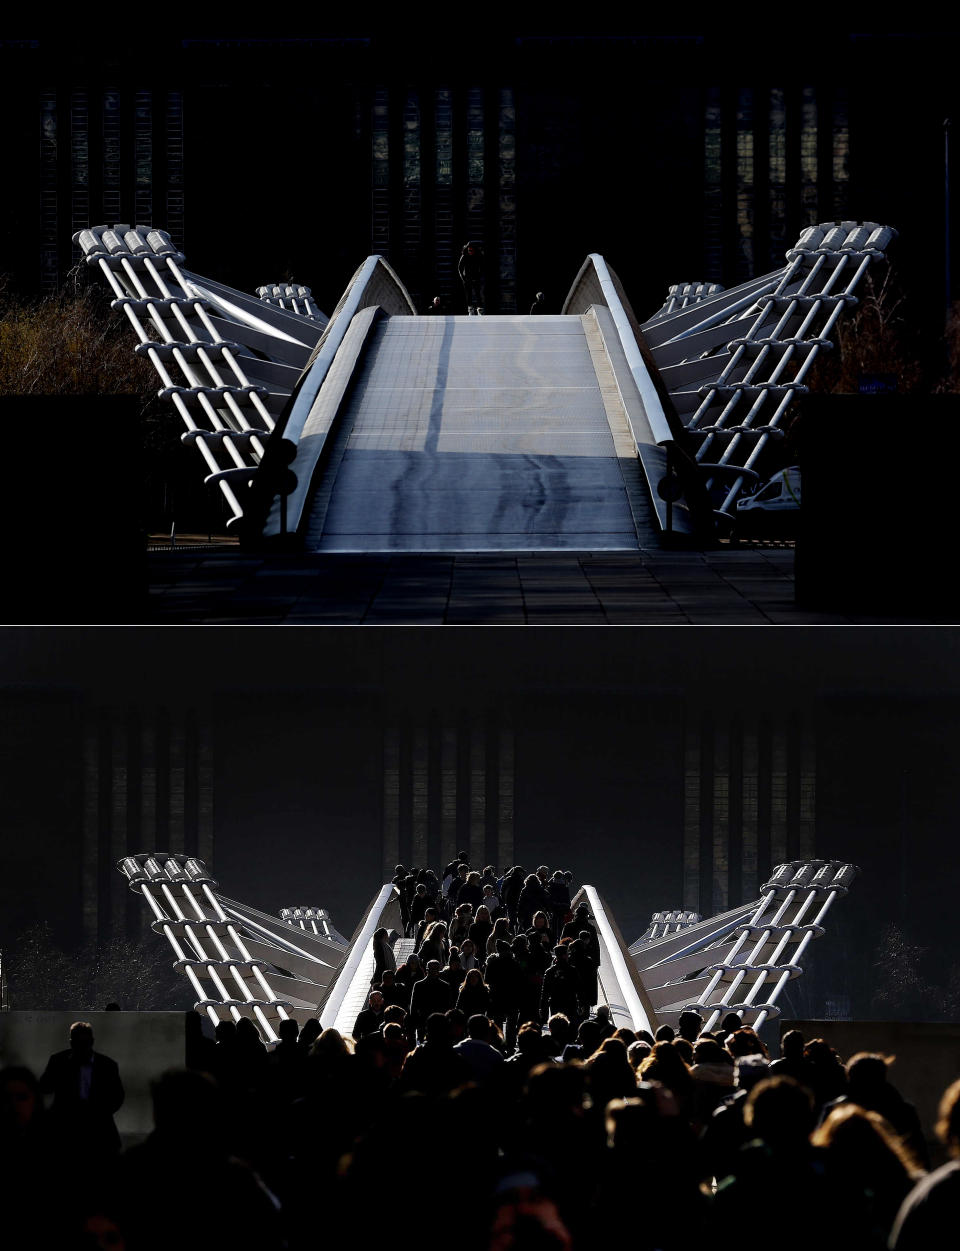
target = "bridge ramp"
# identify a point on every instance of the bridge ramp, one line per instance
(482, 434)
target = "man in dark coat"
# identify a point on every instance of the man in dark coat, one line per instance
(561, 984)
(86, 1091)
(371, 1017)
(431, 994)
(470, 270)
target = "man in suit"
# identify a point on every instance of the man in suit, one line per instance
(86, 1091)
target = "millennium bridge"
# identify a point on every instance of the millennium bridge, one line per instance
(380, 430)
(245, 963)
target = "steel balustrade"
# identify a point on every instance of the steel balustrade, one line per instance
(227, 362)
(724, 964)
(255, 969)
(735, 360)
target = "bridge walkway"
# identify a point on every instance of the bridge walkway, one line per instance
(618, 983)
(482, 434)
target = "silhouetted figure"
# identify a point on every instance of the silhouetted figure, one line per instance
(791, 1062)
(286, 1065)
(776, 1166)
(210, 1197)
(725, 1132)
(482, 1059)
(930, 1210)
(383, 957)
(505, 980)
(394, 995)
(27, 1158)
(587, 968)
(370, 1018)
(434, 1066)
(869, 1164)
(868, 1087)
(539, 304)
(200, 1051)
(87, 1091)
(579, 924)
(827, 1076)
(431, 994)
(470, 269)
(690, 1025)
(561, 987)
(558, 893)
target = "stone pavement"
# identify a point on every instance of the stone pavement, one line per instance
(728, 586)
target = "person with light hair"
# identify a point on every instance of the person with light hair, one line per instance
(929, 1211)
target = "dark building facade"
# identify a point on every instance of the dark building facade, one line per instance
(679, 158)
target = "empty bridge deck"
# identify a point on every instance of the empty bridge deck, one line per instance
(482, 434)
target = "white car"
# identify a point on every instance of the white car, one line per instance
(780, 494)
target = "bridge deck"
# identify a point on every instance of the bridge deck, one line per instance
(482, 434)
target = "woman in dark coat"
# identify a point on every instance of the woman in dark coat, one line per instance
(480, 931)
(474, 995)
(533, 898)
(383, 957)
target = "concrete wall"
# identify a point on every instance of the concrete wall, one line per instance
(928, 1057)
(142, 1043)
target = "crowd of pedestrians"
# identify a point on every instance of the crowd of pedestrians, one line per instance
(486, 1100)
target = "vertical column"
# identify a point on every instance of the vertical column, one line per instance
(143, 157)
(706, 813)
(49, 199)
(174, 181)
(478, 792)
(750, 813)
(840, 156)
(448, 795)
(475, 166)
(435, 792)
(505, 852)
(713, 194)
(148, 784)
(777, 176)
(765, 860)
(419, 793)
(135, 918)
(116, 764)
(690, 893)
(79, 162)
(721, 819)
(90, 856)
(778, 796)
(162, 747)
(507, 139)
(445, 250)
(191, 783)
(175, 835)
(391, 802)
(735, 842)
(807, 844)
(412, 198)
(103, 785)
(110, 176)
(808, 157)
(205, 796)
(380, 174)
(745, 184)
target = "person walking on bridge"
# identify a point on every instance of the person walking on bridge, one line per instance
(470, 270)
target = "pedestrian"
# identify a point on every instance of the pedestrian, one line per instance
(470, 269)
